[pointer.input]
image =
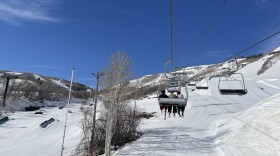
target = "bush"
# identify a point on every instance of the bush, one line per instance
(124, 130)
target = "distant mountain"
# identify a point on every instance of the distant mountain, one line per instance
(35, 88)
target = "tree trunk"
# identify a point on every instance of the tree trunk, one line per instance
(109, 131)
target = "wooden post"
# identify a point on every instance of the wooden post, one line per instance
(97, 75)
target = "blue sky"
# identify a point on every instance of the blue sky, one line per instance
(48, 37)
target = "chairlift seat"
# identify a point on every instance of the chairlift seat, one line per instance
(233, 91)
(232, 85)
(173, 83)
(174, 86)
(201, 87)
(174, 89)
(172, 102)
(191, 84)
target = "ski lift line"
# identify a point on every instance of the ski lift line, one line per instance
(255, 128)
(171, 34)
(214, 19)
(259, 42)
(197, 24)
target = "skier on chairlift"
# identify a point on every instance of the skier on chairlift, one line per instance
(163, 95)
(180, 108)
(172, 95)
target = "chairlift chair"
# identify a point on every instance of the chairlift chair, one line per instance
(233, 84)
(174, 84)
(203, 84)
(191, 83)
(171, 101)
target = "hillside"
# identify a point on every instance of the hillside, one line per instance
(214, 124)
(33, 90)
(258, 64)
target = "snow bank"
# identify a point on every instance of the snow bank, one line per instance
(256, 131)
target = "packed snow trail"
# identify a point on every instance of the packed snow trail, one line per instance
(198, 132)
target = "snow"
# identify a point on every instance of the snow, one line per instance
(38, 77)
(58, 82)
(202, 83)
(21, 135)
(213, 124)
(147, 80)
(254, 131)
(209, 126)
(277, 49)
(197, 133)
(13, 73)
(268, 84)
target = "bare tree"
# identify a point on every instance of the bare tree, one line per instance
(115, 82)
(118, 123)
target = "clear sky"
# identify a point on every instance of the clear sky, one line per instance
(48, 37)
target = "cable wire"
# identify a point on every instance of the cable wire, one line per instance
(171, 34)
(244, 50)
(235, 117)
(214, 19)
(197, 23)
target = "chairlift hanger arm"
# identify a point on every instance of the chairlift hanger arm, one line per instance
(237, 66)
(165, 69)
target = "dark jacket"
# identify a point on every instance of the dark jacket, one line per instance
(163, 96)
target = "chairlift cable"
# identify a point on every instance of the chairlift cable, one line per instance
(197, 23)
(259, 42)
(171, 34)
(214, 19)
(255, 128)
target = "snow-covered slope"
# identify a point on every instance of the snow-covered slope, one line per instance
(213, 124)
(21, 135)
(216, 124)
(255, 131)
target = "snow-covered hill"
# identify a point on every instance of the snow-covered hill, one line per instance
(27, 89)
(249, 67)
(213, 124)
(216, 124)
